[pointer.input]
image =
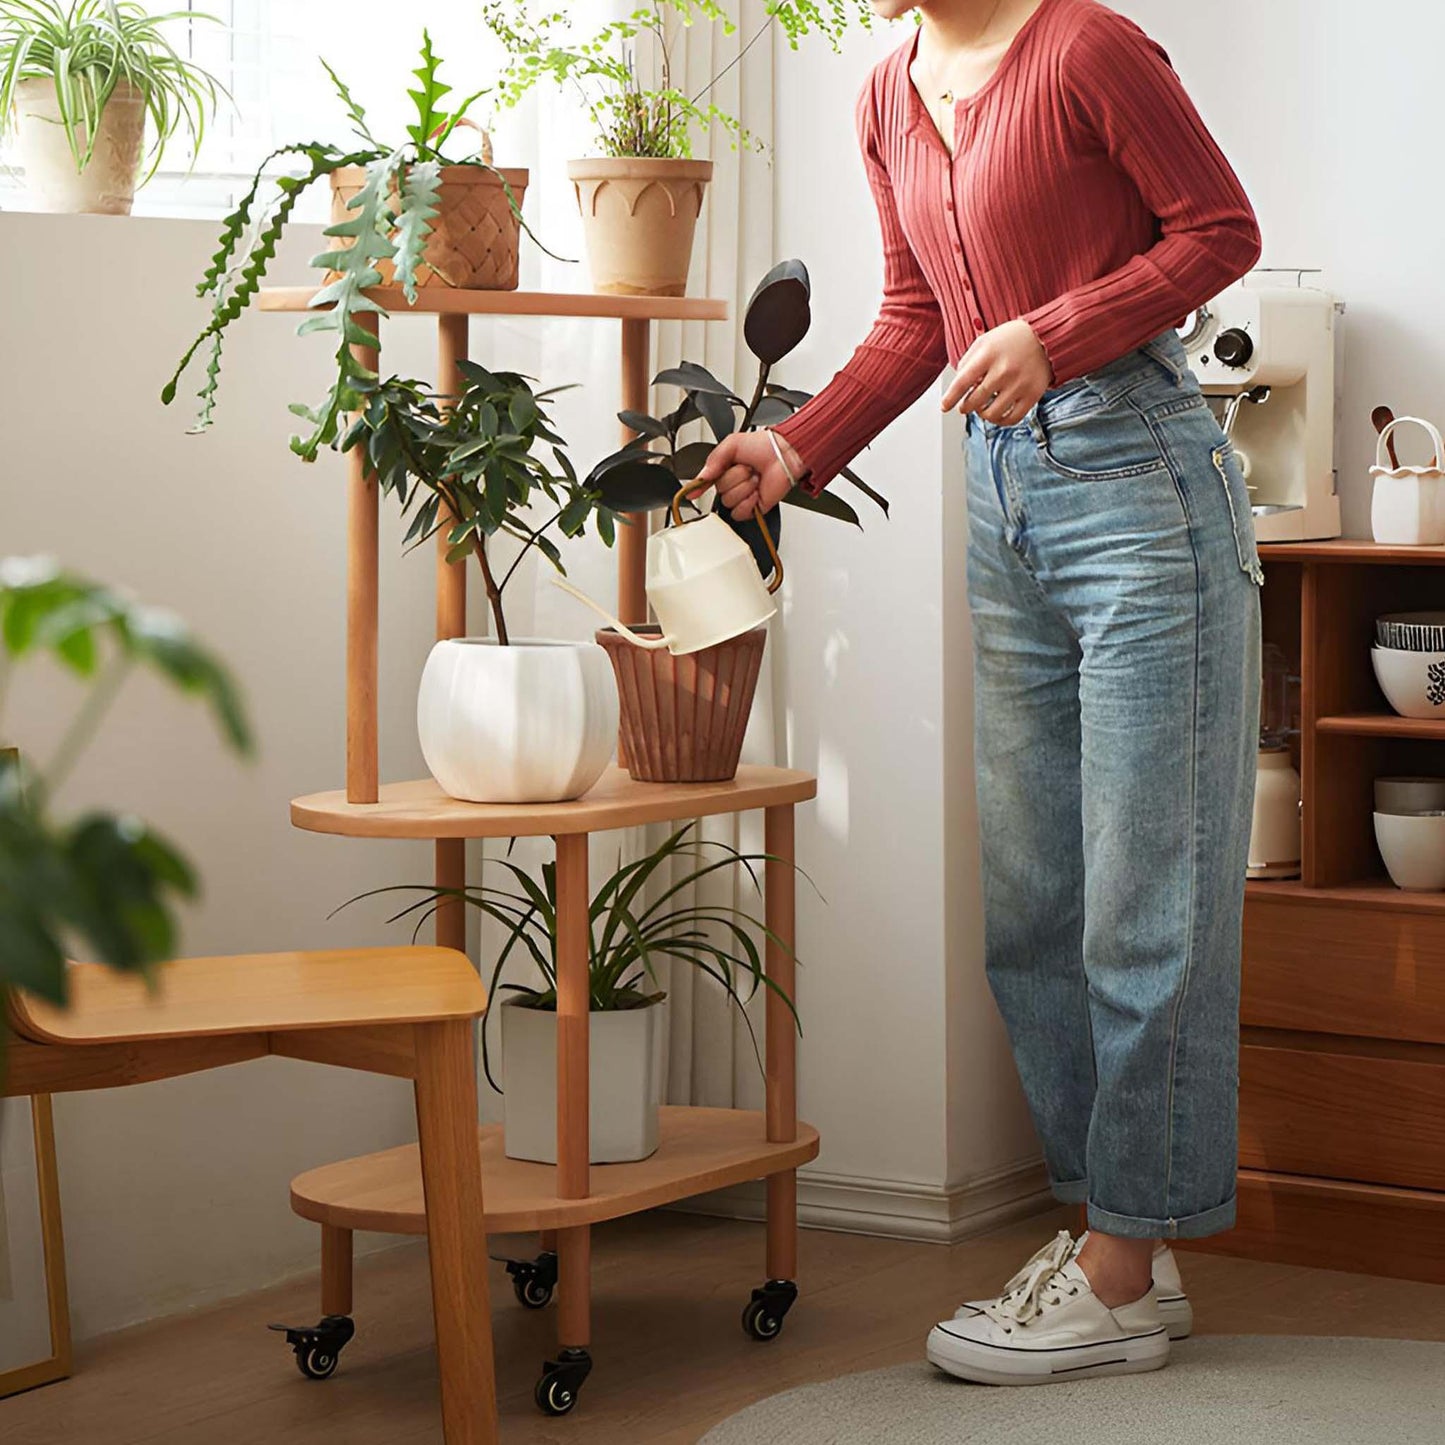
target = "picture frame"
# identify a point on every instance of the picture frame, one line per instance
(35, 1343)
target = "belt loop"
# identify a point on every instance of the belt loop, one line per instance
(1160, 350)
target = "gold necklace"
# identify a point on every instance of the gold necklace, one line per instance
(946, 96)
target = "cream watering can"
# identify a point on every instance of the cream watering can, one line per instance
(702, 582)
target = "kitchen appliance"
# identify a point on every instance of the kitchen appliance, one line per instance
(1275, 838)
(702, 582)
(1265, 354)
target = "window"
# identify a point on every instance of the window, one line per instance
(267, 53)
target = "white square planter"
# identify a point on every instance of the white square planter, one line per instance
(625, 1074)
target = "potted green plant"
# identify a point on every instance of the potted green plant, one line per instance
(103, 884)
(79, 80)
(640, 198)
(408, 213)
(629, 936)
(501, 719)
(684, 718)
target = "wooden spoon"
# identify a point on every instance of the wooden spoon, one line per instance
(1382, 417)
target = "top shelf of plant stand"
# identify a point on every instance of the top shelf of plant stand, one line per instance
(422, 810)
(450, 301)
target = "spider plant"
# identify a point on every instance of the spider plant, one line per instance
(627, 935)
(88, 49)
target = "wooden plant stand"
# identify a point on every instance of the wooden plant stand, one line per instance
(1342, 1064)
(701, 1149)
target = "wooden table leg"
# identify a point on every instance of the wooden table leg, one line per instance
(451, 1169)
(574, 1246)
(335, 1270)
(782, 1038)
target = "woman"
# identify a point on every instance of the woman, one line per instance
(1052, 208)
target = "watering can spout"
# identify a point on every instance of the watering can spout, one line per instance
(652, 643)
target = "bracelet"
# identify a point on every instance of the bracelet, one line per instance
(778, 452)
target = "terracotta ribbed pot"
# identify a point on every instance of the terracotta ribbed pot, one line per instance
(683, 718)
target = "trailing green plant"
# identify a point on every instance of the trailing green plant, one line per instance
(471, 463)
(627, 935)
(632, 115)
(103, 884)
(646, 473)
(390, 219)
(88, 48)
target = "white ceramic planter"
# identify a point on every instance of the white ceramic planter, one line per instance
(107, 184)
(532, 722)
(625, 1083)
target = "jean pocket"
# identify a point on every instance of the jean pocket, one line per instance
(1108, 442)
(1241, 511)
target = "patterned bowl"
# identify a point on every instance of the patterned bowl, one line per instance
(1411, 631)
(1413, 682)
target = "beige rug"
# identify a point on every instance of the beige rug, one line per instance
(1216, 1390)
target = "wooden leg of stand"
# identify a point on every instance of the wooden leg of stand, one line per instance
(335, 1270)
(574, 1288)
(361, 610)
(782, 1038)
(632, 540)
(451, 1170)
(451, 872)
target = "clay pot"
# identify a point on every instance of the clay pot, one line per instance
(683, 718)
(106, 187)
(638, 219)
(474, 237)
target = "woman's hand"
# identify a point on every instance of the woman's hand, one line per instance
(1003, 375)
(748, 475)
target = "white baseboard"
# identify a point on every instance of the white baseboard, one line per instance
(894, 1209)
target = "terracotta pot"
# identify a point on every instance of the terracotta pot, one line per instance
(106, 186)
(474, 237)
(638, 218)
(683, 718)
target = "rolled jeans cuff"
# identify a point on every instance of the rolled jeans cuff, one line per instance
(1193, 1226)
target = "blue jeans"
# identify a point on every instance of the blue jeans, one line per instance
(1113, 581)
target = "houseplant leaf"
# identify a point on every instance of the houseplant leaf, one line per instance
(778, 314)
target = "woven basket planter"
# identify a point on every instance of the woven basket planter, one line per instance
(475, 236)
(683, 718)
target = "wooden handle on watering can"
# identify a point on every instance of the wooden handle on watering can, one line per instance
(759, 517)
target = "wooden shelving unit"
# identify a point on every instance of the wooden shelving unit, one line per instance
(701, 1149)
(1342, 1064)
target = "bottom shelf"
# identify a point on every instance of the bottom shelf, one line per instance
(701, 1150)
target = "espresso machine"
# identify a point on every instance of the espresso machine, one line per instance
(1265, 354)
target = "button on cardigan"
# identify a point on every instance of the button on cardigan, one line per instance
(1084, 194)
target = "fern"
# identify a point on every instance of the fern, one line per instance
(421, 186)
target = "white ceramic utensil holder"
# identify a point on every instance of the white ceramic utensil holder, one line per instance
(1409, 502)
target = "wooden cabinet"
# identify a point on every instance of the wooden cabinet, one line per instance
(1342, 1066)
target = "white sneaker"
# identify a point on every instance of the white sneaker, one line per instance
(1174, 1307)
(1051, 1326)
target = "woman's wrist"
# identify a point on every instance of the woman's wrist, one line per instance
(796, 468)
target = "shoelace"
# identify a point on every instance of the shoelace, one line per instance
(1034, 1285)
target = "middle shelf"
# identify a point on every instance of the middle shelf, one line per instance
(1383, 725)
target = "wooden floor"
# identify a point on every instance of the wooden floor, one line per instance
(670, 1357)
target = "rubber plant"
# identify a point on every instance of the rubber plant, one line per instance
(391, 220)
(88, 48)
(645, 474)
(628, 935)
(630, 116)
(476, 455)
(102, 884)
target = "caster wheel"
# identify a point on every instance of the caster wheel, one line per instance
(534, 1280)
(553, 1397)
(318, 1347)
(556, 1392)
(764, 1313)
(316, 1362)
(760, 1322)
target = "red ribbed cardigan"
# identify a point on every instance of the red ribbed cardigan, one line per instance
(1084, 195)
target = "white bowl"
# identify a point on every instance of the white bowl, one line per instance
(1413, 850)
(1414, 682)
